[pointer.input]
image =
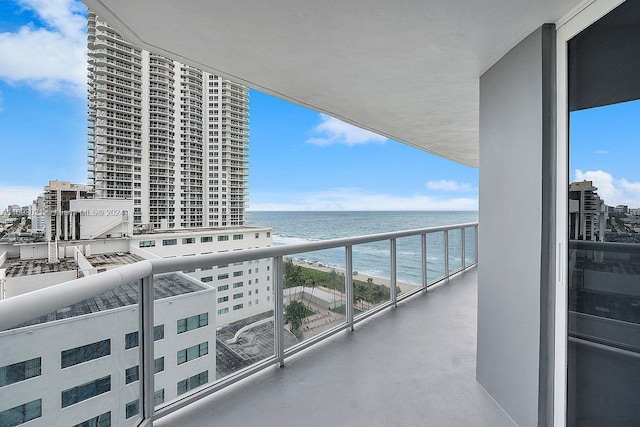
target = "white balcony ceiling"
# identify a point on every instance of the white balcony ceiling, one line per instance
(406, 69)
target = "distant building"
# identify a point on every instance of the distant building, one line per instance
(170, 137)
(587, 212)
(37, 215)
(621, 209)
(14, 210)
(634, 212)
(61, 224)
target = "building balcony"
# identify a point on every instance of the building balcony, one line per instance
(401, 354)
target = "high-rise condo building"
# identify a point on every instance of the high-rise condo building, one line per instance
(169, 136)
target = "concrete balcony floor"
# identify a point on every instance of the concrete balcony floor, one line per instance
(409, 366)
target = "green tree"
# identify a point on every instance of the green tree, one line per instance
(293, 314)
(293, 275)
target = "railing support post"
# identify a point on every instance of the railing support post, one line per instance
(446, 255)
(475, 241)
(394, 292)
(147, 349)
(462, 247)
(348, 284)
(423, 240)
(278, 316)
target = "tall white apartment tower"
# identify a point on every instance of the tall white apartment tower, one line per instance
(169, 136)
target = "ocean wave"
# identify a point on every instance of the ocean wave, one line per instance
(289, 240)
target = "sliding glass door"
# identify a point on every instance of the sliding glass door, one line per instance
(602, 222)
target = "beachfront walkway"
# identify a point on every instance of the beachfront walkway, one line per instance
(410, 366)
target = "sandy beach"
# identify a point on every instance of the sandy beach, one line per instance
(404, 287)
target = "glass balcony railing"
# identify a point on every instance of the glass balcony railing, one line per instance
(138, 342)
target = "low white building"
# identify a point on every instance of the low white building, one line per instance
(244, 290)
(81, 363)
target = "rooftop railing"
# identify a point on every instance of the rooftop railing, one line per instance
(329, 299)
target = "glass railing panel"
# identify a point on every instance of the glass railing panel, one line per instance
(455, 250)
(470, 256)
(185, 348)
(371, 275)
(314, 297)
(435, 257)
(78, 364)
(408, 264)
(604, 293)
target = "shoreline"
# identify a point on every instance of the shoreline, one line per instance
(404, 287)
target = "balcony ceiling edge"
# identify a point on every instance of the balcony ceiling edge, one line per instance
(406, 70)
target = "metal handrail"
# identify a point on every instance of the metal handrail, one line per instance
(22, 308)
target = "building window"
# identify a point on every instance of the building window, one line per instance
(193, 382)
(102, 420)
(257, 235)
(131, 374)
(21, 414)
(223, 299)
(223, 288)
(159, 365)
(86, 391)
(223, 276)
(206, 239)
(268, 234)
(188, 240)
(238, 237)
(158, 397)
(158, 332)
(132, 339)
(169, 242)
(132, 409)
(20, 371)
(238, 295)
(237, 307)
(85, 353)
(193, 322)
(146, 243)
(238, 273)
(223, 238)
(238, 285)
(223, 311)
(207, 279)
(193, 352)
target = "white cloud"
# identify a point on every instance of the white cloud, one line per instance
(333, 131)
(17, 195)
(446, 185)
(602, 151)
(51, 58)
(613, 191)
(356, 199)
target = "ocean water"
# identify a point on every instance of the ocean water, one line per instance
(373, 258)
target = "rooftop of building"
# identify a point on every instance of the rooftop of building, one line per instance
(30, 267)
(200, 230)
(165, 286)
(64, 185)
(113, 259)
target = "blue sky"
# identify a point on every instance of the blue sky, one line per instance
(299, 159)
(604, 145)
